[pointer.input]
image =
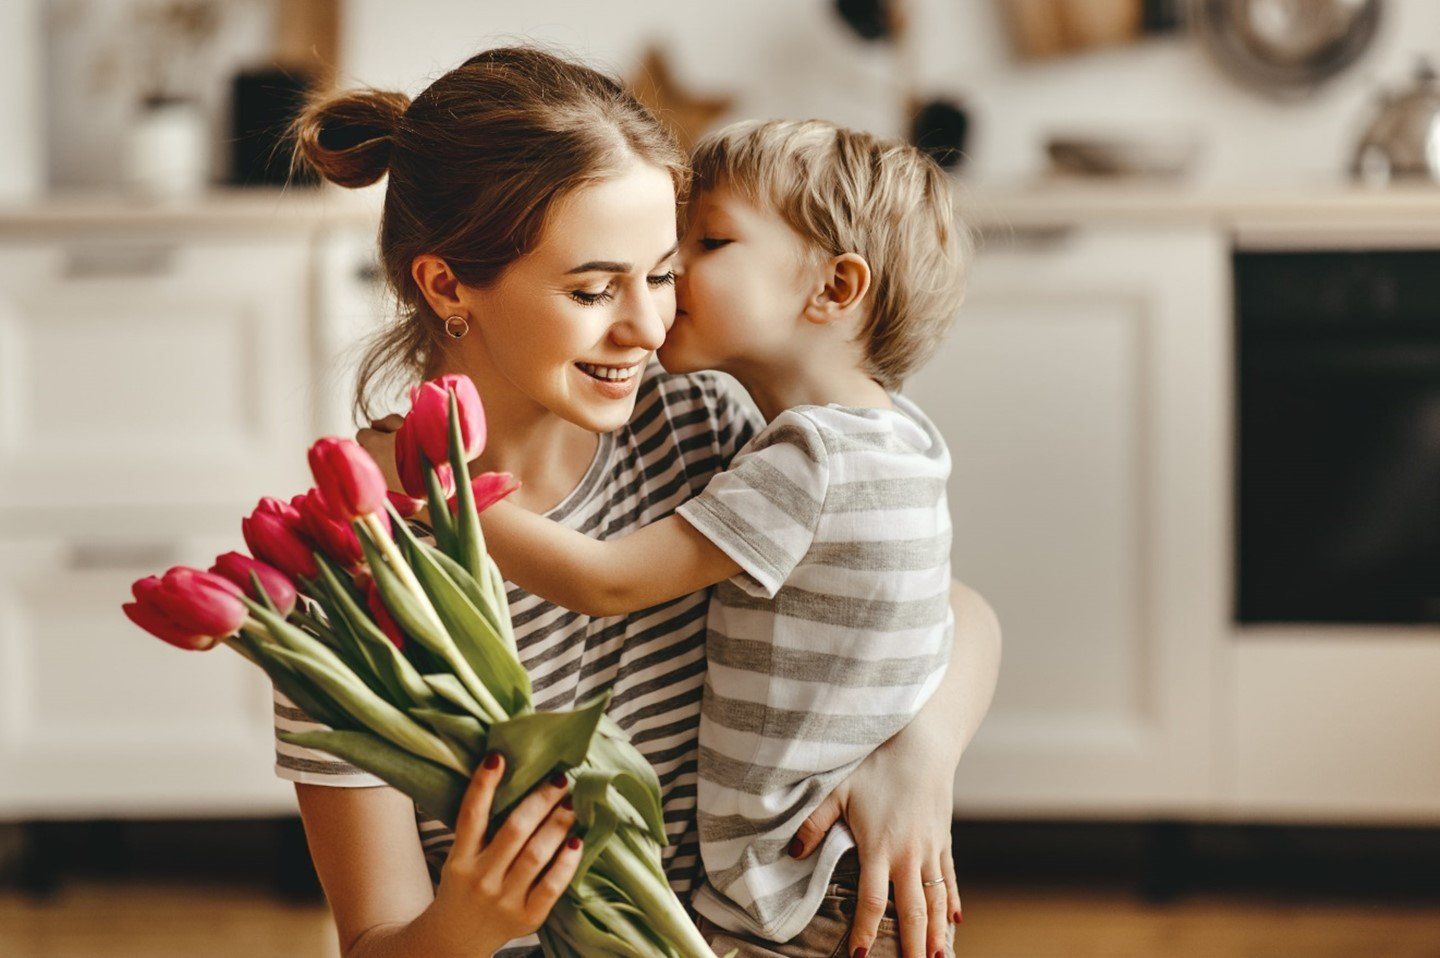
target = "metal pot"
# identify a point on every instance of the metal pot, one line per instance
(1285, 47)
(1403, 141)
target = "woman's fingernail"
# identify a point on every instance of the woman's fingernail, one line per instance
(959, 918)
(573, 842)
(859, 953)
(796, 847)
(492, 761)
(567, 802)
(940, 953)
(558, 779)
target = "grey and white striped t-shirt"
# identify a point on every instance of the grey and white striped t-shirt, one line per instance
(684, 430)
(826, 644)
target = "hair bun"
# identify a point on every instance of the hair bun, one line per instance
(346, 137)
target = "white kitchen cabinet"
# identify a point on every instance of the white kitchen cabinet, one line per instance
(1083, 394)
(154, 384)
(99, 719)
(152, 370)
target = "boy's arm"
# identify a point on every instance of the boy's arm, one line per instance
(662, 561)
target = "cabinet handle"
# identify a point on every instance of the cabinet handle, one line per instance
(122, 554)
(119, 260)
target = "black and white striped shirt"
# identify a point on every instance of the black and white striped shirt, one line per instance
(684, 430)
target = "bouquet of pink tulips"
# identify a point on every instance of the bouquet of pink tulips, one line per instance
(404, 649)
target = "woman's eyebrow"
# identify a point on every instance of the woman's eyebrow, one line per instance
(613, 266)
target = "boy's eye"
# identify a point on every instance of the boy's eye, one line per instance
(591, 299)
(712, 242)
(664, 279)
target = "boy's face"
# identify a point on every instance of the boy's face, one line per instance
(742, 280)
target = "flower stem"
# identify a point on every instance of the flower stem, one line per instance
(392, 557)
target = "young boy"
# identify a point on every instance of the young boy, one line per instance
(820, 266)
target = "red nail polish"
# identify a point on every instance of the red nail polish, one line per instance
(492, 761)
(959, 918)
(567, 803)
(794, 850)
(558, 779)
(859, 953)
(573, 842)
(940, 953)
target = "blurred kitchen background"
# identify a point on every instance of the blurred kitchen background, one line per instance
(1193, 396)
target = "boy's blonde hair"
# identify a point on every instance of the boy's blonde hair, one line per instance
(847, 191)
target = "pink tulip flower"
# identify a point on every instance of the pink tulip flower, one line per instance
(429, 417)
(489, 488)
(236, 567)
(188, 608)
(273, 533)
(408, 465)
(350, 483)
(404, 505)
(336, 539)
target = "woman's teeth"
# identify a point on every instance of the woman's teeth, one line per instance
(610, 373)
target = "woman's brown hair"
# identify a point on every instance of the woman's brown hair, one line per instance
(476, 161)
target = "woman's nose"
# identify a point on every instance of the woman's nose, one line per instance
(643, 326)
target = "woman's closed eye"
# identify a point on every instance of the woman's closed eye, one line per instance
(586, 298)
(710, 243)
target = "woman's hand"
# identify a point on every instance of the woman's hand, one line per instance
(496, 889)
(379, 441)
(906, 773)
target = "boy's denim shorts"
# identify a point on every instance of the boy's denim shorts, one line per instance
(828, 934)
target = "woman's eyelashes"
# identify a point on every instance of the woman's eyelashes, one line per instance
(710, 243)
(586, 298)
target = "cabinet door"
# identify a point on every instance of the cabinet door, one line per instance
(1082, 391)
(141, 370)
(99, 718)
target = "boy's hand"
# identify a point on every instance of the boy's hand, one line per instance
(379, 441)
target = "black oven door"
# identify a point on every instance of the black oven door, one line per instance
(1338, 436)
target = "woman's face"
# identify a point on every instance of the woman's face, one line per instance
(571, 325)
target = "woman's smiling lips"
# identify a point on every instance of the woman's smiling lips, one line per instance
(612, 382)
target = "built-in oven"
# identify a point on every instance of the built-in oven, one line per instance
(1338, 436)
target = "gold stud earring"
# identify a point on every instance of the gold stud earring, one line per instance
(456, 326)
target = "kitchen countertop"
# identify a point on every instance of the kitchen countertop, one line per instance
(992, 208)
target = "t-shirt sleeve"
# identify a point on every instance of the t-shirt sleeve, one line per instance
(763, 510)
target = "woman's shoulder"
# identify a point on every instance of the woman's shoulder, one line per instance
(720, 397)
(709, 418)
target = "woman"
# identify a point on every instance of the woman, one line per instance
(528, 230)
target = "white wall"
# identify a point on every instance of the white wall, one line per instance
(792, 57)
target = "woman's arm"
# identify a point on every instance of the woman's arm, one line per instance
(492, 890)
(662, 561)
(915, 771)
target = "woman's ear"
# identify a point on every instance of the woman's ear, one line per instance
(847, 280)
(439, 286)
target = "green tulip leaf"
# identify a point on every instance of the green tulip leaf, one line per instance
(373, 712)
(464, 730)
(438, 791)
(307, 698)
(389, 661)
(452, 690)
(536, 744)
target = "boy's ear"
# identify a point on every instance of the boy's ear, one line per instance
(846, 281)
(439, 286)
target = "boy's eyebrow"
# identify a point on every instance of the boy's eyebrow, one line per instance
(612, 266)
